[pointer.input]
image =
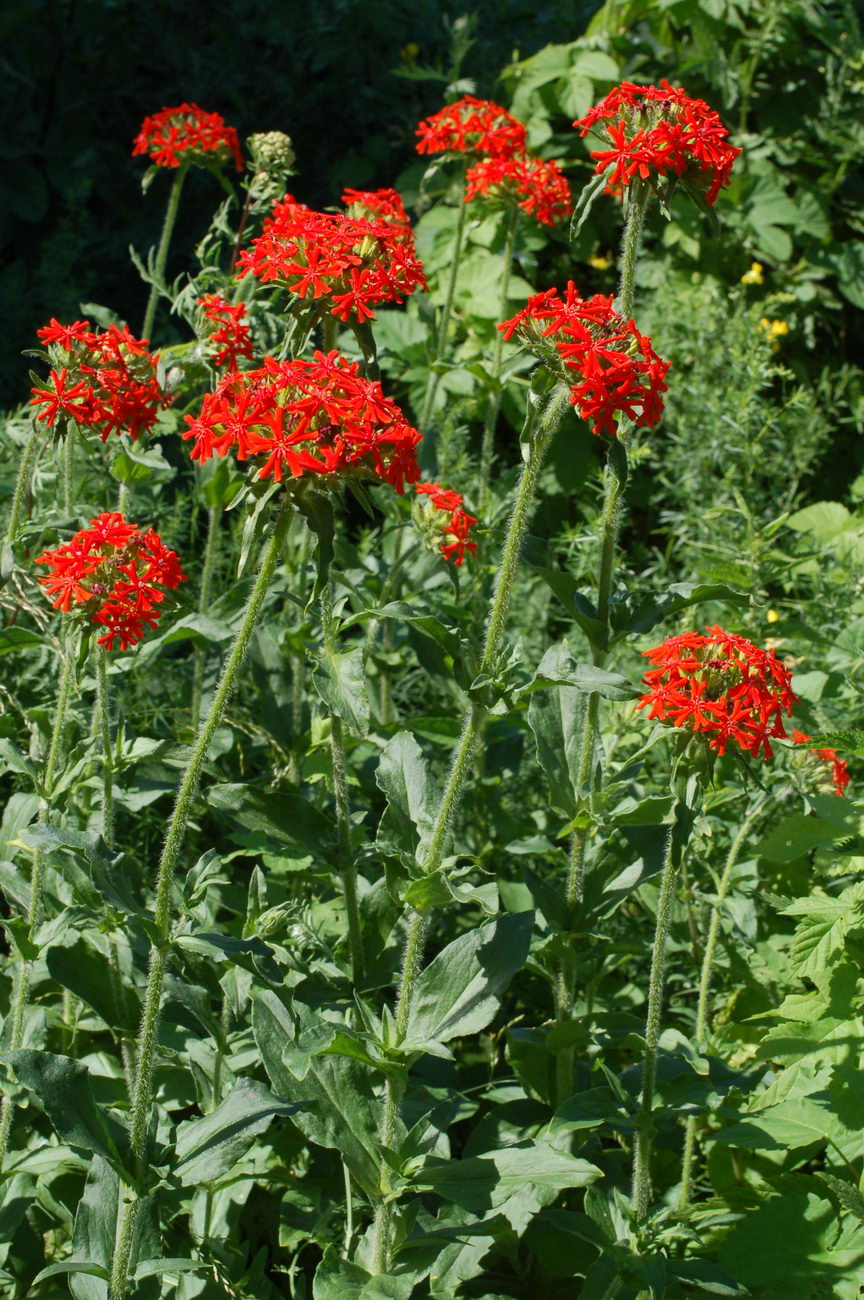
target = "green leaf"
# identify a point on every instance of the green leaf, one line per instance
(786, 1126)
(318, 513)
(82, 970)
(19, 638)
(559, 668)
(156, 1267)
(62, 1087)
(341, 1110)
(459, 991)
(132, 464)
(846, 1193)
(207, 1148)
(703, 1276)
(412, 793)
(555, 718)
(340, 680)
(822, 932)
(73, 1266)
(339, 1279)
(796, 835)
(484, 1182)
(287, 819)
(637, 613)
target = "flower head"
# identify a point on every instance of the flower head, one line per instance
(307, 418)
(272, 153)
(839, 771)
(472, 126)
(105, 381)
(232, 338)
(186, 134)
(443, 519)
(721, 686)
(356, 259)
(756, 274)
(115, 575)
(658, 134)
(616, 370)
(535, 184)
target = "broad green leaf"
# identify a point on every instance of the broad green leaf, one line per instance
(484, 1182)
(62, 1086)
(637, 613)
(796, 835)
(206, 1148)
(786, 1126)
(84, 971)
(340, 680)
(561, 669)
(73, 1266)
(703, 1276)
(19, 638)
(412, 793)
(156, 1267)
(822, 931)
(459, 991)
(339, 1279)
(283, 818)
(340, 1108)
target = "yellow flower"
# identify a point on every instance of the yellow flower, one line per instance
(409, 52)
(774, 328)
(755, 275)
(772, 616)
(599, 263)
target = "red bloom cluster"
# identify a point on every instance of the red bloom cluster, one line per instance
(658, 131)
(232, 337)
(106, 381)
(472, 126)
(454, 531)
(535, 184)
(720, 686)
(114, 574)
(618, 371)
(186, 134)
(839, 770)
(304, 417)
(355, 261)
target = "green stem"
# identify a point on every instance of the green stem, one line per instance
(446, 315)
(162, 251)
(472, 724)
(141, 1097)
(701, 1031)
(630, 248)
(494, 407)
(644, 1121)
(17, 1011)
(214, 517)
(348, 870)
(22, 482)
(103, 710)
(68, 473)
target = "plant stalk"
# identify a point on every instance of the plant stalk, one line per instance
(103, 710)
(162, 251)
(494, 407)
(141, 1096)
(630, 243)
(210, 547)
(21, 484)
(447, 311)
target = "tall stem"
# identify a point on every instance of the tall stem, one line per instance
(141, 1096)
(22, 482)
(162, 251)
(630, 242)
(348, 870)
(444, 325)
(701, 1031)
(213, 522)
(474, 718)
(19, 1003)
(103, 710)
(494, 407)
(68, 472)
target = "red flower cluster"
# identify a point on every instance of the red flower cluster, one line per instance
(658, 131)
(472, 126)
(186, 134)
(304, 417)
(720, 686)
(106, 382)
(453, 533)
(355, 261)
(232, 338)
(839, 770)
(535, 184)
(114, 574)
(619, 372)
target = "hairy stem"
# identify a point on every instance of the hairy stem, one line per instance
(103, 711)
(446, 315)
(701, 1030)
(494, 407)
(214, 517)
(18, 1009)
(68, 472)
(22, 482)
(141, 1095)
(348, 870)
(630, 242)
(162, 251)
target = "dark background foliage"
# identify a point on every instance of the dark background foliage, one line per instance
(81, 74)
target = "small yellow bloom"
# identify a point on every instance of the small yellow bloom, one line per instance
(599, 263)
(755, 275)
(409, 52)
(774, 328)
(772, 616)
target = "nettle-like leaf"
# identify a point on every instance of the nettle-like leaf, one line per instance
(486, 1182)
(340, 680)
(412, 794)
(822, 931)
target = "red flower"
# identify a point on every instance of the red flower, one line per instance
(114, 573)
(618, 371)
(839, 770)
(452, 535)
(186, 134)
(722, 686)
(233, 337)
(658, 131)
(356, 259)
(472, 126)
(536, 184)
(301, 417)
(106, 382)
